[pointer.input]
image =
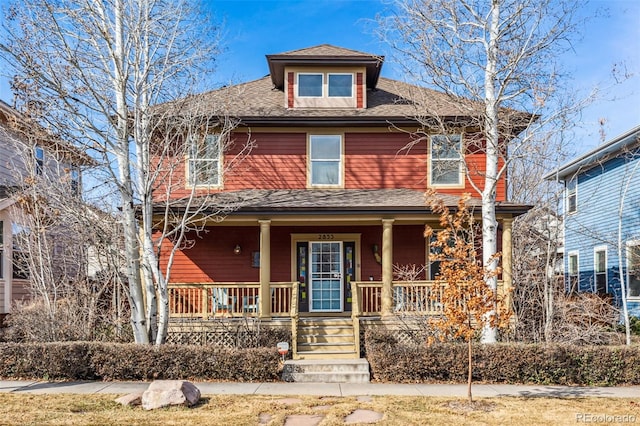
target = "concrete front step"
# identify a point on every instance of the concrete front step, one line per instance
(327, 371)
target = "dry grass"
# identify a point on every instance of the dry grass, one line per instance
(246, 410)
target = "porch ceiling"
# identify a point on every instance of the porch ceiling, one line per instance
(335, 202)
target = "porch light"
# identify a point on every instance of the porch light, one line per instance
(237, 249)
(376, 254)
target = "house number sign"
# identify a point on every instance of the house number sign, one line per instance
(325, 237)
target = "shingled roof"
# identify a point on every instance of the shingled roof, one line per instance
(345, 201)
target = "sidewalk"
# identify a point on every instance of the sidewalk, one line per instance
(328, 389)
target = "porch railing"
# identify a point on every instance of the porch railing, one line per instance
(227, 299)
(420, 297)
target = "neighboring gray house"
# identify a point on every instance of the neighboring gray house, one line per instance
(602, 219)
(23, 159)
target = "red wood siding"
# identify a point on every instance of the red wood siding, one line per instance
(359, 91)
(211, 259)
(409, 246)
(371, 160)
(377, 160)
(290, 80)
(277, 161)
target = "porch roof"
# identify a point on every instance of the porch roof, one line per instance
(334, 201)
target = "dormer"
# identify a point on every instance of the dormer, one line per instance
(325, 76)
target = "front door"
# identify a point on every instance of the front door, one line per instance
(325, 278)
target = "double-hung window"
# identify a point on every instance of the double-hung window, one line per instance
(325, 160)
(572, 195)
(633, 268)
(600, 269)
(446, 160)
(204, 161)
(574, 273)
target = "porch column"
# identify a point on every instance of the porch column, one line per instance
(507, 257)
(387, 267)
(265, 269)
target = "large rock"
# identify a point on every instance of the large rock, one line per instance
(163, 393)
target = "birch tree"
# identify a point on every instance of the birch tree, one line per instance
(93, 72)
(495, 60)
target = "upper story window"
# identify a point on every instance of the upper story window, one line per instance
(445, 160)
(204, 164)
(572, 196)
(340, 85)
(310, 85)
(633, 268)
(325, 160)
(39, 160)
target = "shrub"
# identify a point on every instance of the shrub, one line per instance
(393, 361)
(92, 360)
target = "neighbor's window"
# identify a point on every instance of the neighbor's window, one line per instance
(574, 274)
(633, 268)
(74, 180)
(39, 160)
(446, 160)
(204, 161)
(325, 160)
(340, 85)
(310, 85)
(600, 269)
(572, 195)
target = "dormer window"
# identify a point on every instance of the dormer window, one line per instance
(312, 85)
(340, 85)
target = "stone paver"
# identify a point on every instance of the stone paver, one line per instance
(363, 416)
(303, 420)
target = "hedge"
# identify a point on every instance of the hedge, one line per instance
(394, 361)
(109, 361)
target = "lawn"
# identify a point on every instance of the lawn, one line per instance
(70, 409)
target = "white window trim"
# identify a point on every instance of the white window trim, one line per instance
(40, 158)
(629, 244)
(461, 174)
(188, 160)
(575, 195)
(352, 84)
(602, 248)
(310, 161)
(322, 86)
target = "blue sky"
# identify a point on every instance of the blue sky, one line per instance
(253, 29)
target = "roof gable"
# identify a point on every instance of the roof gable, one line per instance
(604, 152)
(323, 55)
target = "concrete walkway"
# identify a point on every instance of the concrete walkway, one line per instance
(328, 389)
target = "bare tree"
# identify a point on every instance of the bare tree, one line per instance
(54, 234)
(94, 72)
(492, 59)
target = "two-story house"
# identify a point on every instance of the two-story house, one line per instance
(24, 158)
(329, 199)
(602, 219)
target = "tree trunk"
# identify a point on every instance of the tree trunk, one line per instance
(469, 372)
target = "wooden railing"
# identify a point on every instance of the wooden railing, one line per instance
(210, 300)
(420, 297)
